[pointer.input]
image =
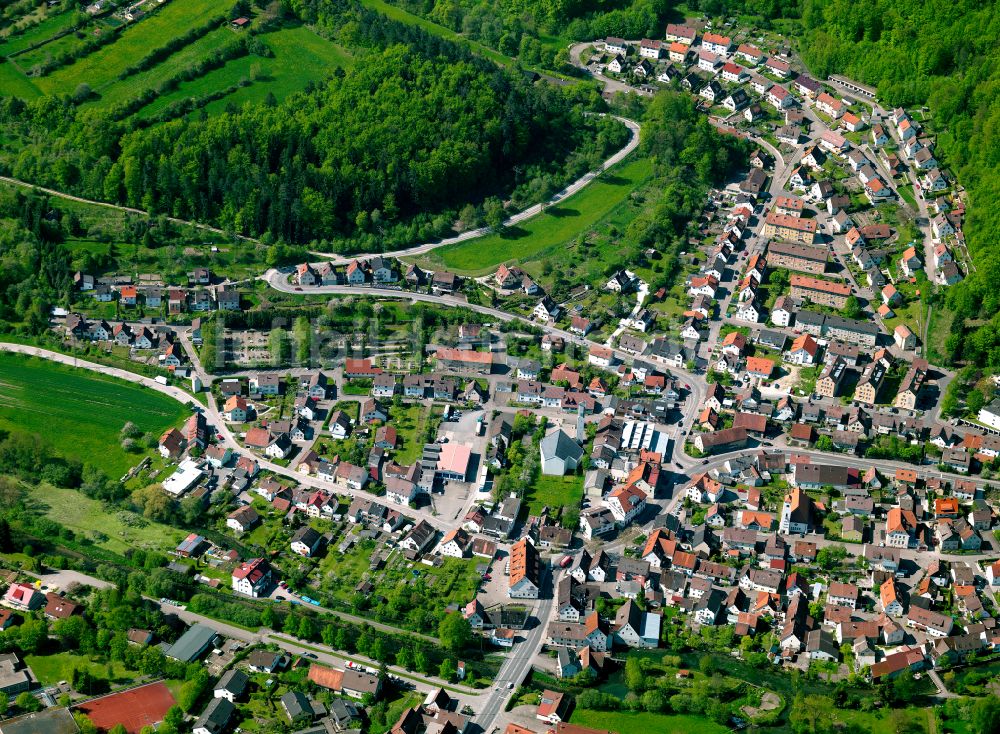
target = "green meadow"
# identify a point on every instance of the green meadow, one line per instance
(555, 226)
(80, 413)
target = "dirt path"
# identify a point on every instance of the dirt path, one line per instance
(118, 207)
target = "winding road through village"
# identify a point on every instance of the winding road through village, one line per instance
(488, 704)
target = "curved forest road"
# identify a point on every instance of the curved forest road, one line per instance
(610, 85)
(119, 207)
(531, 211)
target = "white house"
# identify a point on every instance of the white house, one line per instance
(252, 578)
(560, 454)
(455, 544)
(626, 503)
(990, 414)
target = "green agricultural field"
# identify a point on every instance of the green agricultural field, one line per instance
(300, 56)
(80, 414)
(551, 229)
(620, 721)
(50, 669)
(56, 45)
(90, 518)
(101, 67)
(553, 492)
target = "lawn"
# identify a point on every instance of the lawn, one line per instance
(15, 83)
(51, 669)
(116, 531)
(625, 722)
(553, 492)
(409, 422)
(301, 56)
(554, 227)
(103, 65)
(79, 413)
(940, 326)
(907, 193)
(911, 313)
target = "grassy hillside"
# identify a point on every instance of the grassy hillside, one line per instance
(52, 25)
(80, 414)
(14, 83)
(114, 92)
(89, 518)
(404, 16)
(549, 231)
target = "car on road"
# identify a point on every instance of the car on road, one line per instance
(704, 461)
(311, 655)
(279, 598)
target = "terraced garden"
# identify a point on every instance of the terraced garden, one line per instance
(100, 68)
(300, 56)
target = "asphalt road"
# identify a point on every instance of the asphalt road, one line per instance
(518, 663)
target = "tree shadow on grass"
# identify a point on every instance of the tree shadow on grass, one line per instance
(514, 233)
(562, 211)
(612, 179)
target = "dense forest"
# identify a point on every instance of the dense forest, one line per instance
(34, 266)
(379, 156)
(940, 53)
(690, 156)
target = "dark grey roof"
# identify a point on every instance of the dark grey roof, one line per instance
(558, 444)
(192, 643)
(810, 317)
(860, 327)
(216, 715)
(296, 705)
(306, 535)
(235, 681)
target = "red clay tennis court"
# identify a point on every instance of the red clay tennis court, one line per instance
(134, 708)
